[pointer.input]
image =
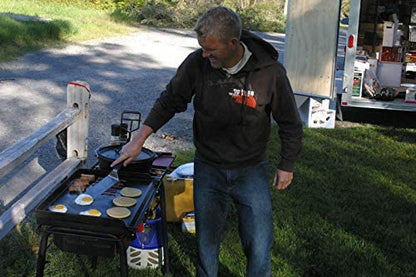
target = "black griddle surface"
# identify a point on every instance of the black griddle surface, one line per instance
(102, 202)
(73, 219)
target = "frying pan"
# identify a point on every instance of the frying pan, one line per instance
(108, 154)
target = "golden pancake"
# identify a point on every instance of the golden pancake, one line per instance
(118, 212)
(130, 192)
(124, 201)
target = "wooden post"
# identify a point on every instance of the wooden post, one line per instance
(78, 96)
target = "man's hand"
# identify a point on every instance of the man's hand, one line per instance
(131, 150)
(282, 179)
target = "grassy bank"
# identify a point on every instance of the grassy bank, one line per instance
(349, 212)
(65, 24)
(78, 20)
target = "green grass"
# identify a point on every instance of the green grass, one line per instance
(18, 37)
(349, 212)
(69, 24)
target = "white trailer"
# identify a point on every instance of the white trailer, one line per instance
(380, 57)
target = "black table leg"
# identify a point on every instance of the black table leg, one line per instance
(165, 267)
(94, 262)
(123, 259)
(42, 254)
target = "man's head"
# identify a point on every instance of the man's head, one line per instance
(219, 32)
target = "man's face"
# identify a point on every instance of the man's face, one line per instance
(219, 54)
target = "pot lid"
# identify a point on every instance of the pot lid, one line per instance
(111, 153)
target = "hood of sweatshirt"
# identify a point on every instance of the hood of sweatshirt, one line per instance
(264, 54)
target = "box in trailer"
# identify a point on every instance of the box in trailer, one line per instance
(389, 74)
(410, 95)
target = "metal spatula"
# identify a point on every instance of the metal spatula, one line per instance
(114, 173)
(108, 181)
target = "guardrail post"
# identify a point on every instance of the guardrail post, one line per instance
(78, 96)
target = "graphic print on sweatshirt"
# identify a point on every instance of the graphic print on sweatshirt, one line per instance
(244, 97)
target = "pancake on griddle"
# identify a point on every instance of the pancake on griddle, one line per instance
(122, 201)
(118, 212)
(130, 192)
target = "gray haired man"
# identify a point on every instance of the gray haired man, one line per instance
(237, 85)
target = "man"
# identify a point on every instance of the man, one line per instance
(236, 83)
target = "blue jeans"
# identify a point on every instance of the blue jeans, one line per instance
(249, 189)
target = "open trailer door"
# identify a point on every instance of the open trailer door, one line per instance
(310, 58)
(380, 57)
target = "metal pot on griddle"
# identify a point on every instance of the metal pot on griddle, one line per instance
(108, 154)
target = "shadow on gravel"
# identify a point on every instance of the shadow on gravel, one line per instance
(126, 73)
(119, 81)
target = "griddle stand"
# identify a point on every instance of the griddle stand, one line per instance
(106, 237)
(121, 249)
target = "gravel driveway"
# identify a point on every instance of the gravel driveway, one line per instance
(125, 73)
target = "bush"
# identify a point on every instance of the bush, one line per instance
(147, 12)
(186, 13)
(265, 15)
(260, 15)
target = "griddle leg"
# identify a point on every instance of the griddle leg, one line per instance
(123, 259)
(165, 268)
(94, 263)
(42, 254)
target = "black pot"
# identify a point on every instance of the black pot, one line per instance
(108, 154)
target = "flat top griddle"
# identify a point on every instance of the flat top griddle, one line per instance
(148, 183)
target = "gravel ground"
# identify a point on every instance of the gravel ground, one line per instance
(125, 73)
